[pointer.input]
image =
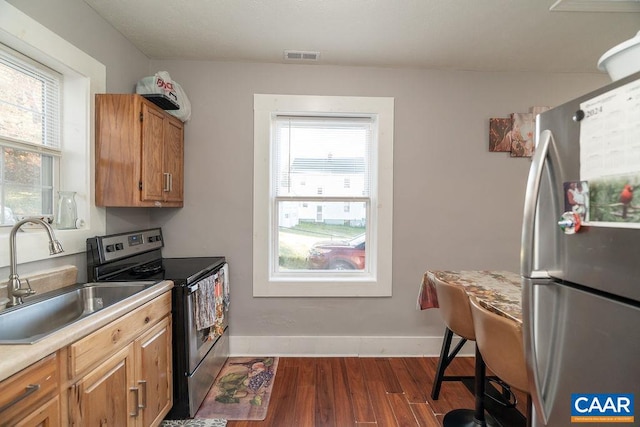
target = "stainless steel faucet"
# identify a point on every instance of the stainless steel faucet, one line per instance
(14, 287)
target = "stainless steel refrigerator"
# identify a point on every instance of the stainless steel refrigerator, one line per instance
(580, 263)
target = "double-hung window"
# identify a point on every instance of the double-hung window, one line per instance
(30, 99)
(322, 195)
(46, 134)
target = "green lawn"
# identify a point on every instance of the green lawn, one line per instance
(294, 256)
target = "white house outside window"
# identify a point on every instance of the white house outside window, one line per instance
(314, 235)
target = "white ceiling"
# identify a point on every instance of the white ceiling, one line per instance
(487, 35)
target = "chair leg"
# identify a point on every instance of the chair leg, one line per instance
(479, 386)
(445, 360)
(473, 417)
(442, 363)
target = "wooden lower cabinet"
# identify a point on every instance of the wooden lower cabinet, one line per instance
(102, 397)
(30, 397)
(121, 375)
(47, 415)
(155, 373)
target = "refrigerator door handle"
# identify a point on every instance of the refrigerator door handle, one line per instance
(530, 203)
(531, 350)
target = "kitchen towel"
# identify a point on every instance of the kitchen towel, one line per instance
(205, 306)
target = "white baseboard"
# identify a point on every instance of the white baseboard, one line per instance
(369, 346)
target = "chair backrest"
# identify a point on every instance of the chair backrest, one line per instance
(455, 309)
(500, 342)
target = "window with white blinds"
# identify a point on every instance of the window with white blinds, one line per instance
(322, 195)
(30, 100)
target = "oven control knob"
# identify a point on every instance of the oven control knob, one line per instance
(119, 246)
(110, 248)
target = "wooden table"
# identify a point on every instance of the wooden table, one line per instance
(499, 291)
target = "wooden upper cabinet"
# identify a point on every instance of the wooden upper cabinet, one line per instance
(139, 153)
(174, 161)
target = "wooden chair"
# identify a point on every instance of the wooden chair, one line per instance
(501, 344)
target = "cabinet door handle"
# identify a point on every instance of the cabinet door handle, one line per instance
(137, 402)
(170, 182)
(167, 177)
(143, 386)
(28, 390)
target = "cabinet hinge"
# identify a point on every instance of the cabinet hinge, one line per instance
(139, 185)
(141, 115)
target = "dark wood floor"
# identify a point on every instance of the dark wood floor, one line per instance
(363, 392)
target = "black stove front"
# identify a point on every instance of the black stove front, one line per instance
(197, 353)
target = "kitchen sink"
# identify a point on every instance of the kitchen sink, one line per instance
(37, 318)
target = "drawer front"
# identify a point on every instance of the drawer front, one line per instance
(25, 390)
(90, 350)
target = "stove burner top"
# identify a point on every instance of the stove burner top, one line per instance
(146, 269)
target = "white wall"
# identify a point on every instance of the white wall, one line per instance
(456, 205)
(80, 25)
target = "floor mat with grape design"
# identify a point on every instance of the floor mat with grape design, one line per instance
(242, 389)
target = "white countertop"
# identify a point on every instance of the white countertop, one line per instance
(14, 358)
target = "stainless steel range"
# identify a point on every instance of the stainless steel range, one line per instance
(200, 300)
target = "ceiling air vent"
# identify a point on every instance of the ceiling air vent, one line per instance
(301, 55)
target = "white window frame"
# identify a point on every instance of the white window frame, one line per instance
(83, 77)
(379, 248)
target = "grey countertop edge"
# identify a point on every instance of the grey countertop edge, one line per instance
(14, 358)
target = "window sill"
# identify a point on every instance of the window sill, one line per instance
(33, 245)
(318, 287)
